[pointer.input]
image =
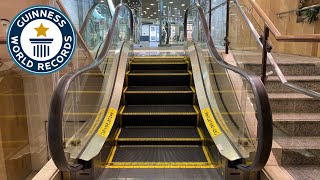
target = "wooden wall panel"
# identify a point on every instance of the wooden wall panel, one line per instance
(286, 24)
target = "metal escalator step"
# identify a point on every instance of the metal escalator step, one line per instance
(158, 95)
(159, 78)
(159, 89)
(163, 65)
(159, 115)
(158, 109)
(159, 153)
(158, 72)
(159, 132)
(159, 136)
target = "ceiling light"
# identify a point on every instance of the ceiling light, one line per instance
(170, 2)
(151, 4)
(148, 17)
(151, 15)
(147, 8)
(154, 13)
(182, 5)
(175, 8)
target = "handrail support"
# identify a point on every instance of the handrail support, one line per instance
(266, 48)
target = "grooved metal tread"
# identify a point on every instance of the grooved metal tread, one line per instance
(173, 72)
(159, 132)
(159, 109)
(159, 153)
(159, 88)
(145, 62)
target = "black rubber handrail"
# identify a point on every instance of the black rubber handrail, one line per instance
(264, 117)
(60, 93)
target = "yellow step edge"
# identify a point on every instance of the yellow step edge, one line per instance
(147, 165)
(159, 57)
(160, 113)
(159, 139)
(158, 74)
(158, 92)
(147, 63)
(87, 92)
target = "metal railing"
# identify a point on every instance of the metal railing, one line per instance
(60, 93)
(276, 33)
(298, 10)
(266, 55)
(264, 115)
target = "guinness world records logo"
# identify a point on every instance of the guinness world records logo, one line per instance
(41, 40)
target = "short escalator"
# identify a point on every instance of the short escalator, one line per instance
(188, 116)
(159, 118)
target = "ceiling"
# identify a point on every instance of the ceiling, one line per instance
(150, 8)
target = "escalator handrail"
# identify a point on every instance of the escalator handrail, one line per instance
(89, 15)
(264, 116)
(60, 93)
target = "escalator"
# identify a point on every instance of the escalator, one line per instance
(141, 116)
(159, 121)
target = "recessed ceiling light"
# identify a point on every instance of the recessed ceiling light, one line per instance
(170, 2)
(175, 8)
(148, 17)
(147, 8)
(154, 13)
(151, 15)
(182, 5)
(172, 15)
(151, 4)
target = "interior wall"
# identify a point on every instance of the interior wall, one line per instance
(287, 25)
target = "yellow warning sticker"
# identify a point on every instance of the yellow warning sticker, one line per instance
(108, 122)
(211, 122)
(96, 121)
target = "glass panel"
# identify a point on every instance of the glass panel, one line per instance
(97, 27)
(229, 95)
(243, 43)
(89, 94)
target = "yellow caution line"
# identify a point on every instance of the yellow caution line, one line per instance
(160, 146)
(198, 113)
(124, 95)
(158, 92)
(120, 115)
(159, 113)
(87, 92)
(158, 74)
(159, 139)
(147, 165)
(146, 63)
(111, 155)
(159, 57)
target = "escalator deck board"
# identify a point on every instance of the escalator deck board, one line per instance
(159, 154)
(159, 132)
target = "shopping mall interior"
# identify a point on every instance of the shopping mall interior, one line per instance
(164, 89)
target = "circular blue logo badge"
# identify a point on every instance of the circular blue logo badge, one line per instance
(41, 40)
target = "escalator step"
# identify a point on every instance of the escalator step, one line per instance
(160, 109)
(159, 78)
(139, 95)
(159, 136)
(164, 65)
(159, 153)
(159, 115)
